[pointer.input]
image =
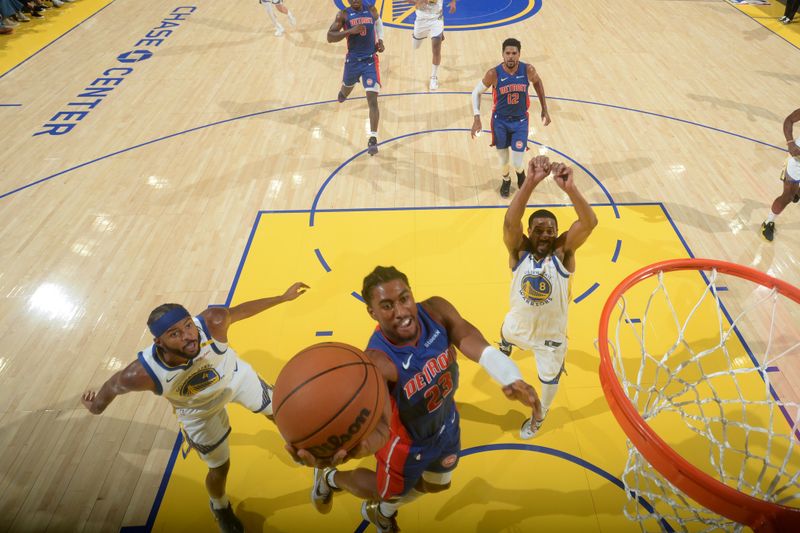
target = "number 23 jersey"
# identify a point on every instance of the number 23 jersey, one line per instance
(427, 377)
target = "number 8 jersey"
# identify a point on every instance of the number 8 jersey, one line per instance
(427, 377)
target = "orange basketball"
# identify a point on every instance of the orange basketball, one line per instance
(328, 396)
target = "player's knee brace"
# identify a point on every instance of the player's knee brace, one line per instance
(517, 161)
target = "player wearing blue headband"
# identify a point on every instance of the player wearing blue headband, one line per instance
(192, 366)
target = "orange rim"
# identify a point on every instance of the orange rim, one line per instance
(704, 489)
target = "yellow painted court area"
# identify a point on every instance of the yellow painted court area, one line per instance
(30, 37)
(768, 16)
(554, 482)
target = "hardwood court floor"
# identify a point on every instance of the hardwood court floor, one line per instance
(152, 195)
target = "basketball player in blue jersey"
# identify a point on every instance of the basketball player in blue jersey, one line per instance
(509, 82)
(542, 263)
(362, 27)
(192, 366)
(414, 347)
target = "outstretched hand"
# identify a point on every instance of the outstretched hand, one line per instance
(368, 446)
(294, 291)
(562, 174)
(87, 399)
(522, 392)
(538, 169)
(476, 127)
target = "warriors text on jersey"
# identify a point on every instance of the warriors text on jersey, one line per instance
(539, 299)
(427, 377)
(510, 94)
(199, 384)
(362, 44)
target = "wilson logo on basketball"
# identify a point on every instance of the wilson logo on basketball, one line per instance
(335, 442)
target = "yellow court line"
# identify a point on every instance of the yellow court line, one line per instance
(30, 37)
(768, 17)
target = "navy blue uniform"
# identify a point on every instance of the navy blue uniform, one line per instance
(361, 61)
(510, 109)
(425, 433)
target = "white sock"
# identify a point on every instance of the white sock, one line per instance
(434, 71)
(272, 15)
(547, 396)
(220, 503)
(373, 134)
(329, 478)
(771, 217)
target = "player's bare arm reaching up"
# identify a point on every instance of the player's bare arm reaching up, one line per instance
(565, 245)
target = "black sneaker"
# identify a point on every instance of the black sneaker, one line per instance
(226, 520)
(505, 188)
(796, 198)
(372, 146)
(768, 230)
(505, 347)
(341, 97)
(520, 179)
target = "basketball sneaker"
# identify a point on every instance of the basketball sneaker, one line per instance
(784, 20)
(227, 521)
(520, 179)
(529, 428)
(796, 198)
(340, 97)
(505, 188)
(434, 83)
(768, 230)
(505, 347)
(322, 492)
(372, 146)
(371, 512)
(279, 31)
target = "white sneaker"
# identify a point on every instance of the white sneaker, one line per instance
(434, 83)
(529, 430)
(292, 20)
(321, 492)
(279, 31)
(57, 3)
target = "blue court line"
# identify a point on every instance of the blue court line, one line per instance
(358, 297)
(10, 105)
(773, 369)
(736, 331)
(721, 289)
(633, 321)
(53, 41)
(445, 130)
(561, 455)
(244, 256)
(322, 260)
(298, 106)
(586, 293)
(324, 333)
(616, 251)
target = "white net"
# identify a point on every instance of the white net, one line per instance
(707, 360)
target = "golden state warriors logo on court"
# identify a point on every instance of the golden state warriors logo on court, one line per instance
(475, 15)
(536, 289)
(199, 381)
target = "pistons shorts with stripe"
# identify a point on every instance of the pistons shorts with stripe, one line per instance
(510, 132)
(366, 69)
(402, 462)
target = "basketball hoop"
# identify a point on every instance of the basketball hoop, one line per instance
(709, 379)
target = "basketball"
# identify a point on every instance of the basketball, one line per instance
(328, 396)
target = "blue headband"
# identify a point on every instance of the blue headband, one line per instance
(167, 320)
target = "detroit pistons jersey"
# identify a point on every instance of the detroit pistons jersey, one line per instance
(539, 299)
(427, 378)
(202, 381)
(510, 93)
(363, 44)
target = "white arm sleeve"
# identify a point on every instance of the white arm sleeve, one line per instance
(476, 97)
(502, 369)
(379, 29)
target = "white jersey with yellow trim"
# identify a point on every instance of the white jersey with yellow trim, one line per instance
(199, 384)
(430, 9)
(539, 298)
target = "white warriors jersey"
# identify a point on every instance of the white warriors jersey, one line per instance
(430, 9)
(539, 298)
(199, 384)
